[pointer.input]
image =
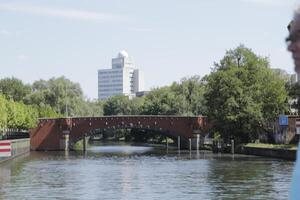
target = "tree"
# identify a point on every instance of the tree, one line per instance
(184, 98)
(64, 96)
(46, 111)
(14, 88)
(160, 101)
(30, 118)
(189, 96)
(294, 93)
(91, 108)
(20, 116)
(117, 105)
(243, 95)
(136, 105)
(3, 112)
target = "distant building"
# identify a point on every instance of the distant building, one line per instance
(141, 93)
(294, 78)
(123, 78)
(291, 78)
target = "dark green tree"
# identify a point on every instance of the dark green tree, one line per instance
(189, 96)
(243, 96)
(3, 112)
(64, 96)
(13, 88)
(91, 108)
(161, 101)
(117, 105)
(20, 116)
(294, 93)
(136, 105)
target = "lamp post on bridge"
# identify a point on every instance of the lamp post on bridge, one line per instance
(66, 102)
(70, 92)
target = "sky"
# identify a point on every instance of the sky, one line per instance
(168, 40)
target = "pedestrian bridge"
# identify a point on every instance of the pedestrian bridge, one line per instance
(58, 133)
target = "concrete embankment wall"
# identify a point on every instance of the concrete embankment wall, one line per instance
(273, 153)
(18, 147)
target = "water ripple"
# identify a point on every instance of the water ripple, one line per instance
(142, 173)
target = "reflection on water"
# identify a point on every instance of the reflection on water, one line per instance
(123, 150)
(131, 172)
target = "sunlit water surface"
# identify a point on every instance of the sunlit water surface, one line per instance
(136, 172)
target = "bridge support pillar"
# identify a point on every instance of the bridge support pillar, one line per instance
(232, 146)
(178, 142)
(198, 142)
(167, 143)
(64, 142)
(84, 141)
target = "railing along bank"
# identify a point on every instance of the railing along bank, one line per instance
(9, 134)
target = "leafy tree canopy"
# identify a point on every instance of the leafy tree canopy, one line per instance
(13, 88)
(119, 105)
(243, 95)
(61, 94)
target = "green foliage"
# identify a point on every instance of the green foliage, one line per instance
(122, 105)
(13, 88)
(64, 97)
(243, 95)
(217, 135)
(46, 111)
(184, 98)
(3, 112)
(142, 136)
(44, 99)
(60, 93)
(60, 97)
(91, 108)
(160, 101)
(272, 146)
(17, 115)
(189, 96)
(294, 93)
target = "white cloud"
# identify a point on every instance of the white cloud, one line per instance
(272, 2)
(61, 13)
(22, 57)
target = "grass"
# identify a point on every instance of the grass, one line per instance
(79, 145)
(272, 146)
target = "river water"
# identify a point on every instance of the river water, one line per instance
(136, 172)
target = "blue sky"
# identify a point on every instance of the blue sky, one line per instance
(168, 39)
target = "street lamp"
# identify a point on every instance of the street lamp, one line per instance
(66, 102)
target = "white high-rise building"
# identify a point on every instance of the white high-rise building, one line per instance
(122, 78)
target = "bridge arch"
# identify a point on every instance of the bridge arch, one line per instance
(51, 134)
(93, 132)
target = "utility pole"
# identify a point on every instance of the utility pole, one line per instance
(66, 109)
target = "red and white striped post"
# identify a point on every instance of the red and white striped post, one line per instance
(5, 148)
(298, 126)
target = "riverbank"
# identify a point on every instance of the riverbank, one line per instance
(18, 147)
(288, 152)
